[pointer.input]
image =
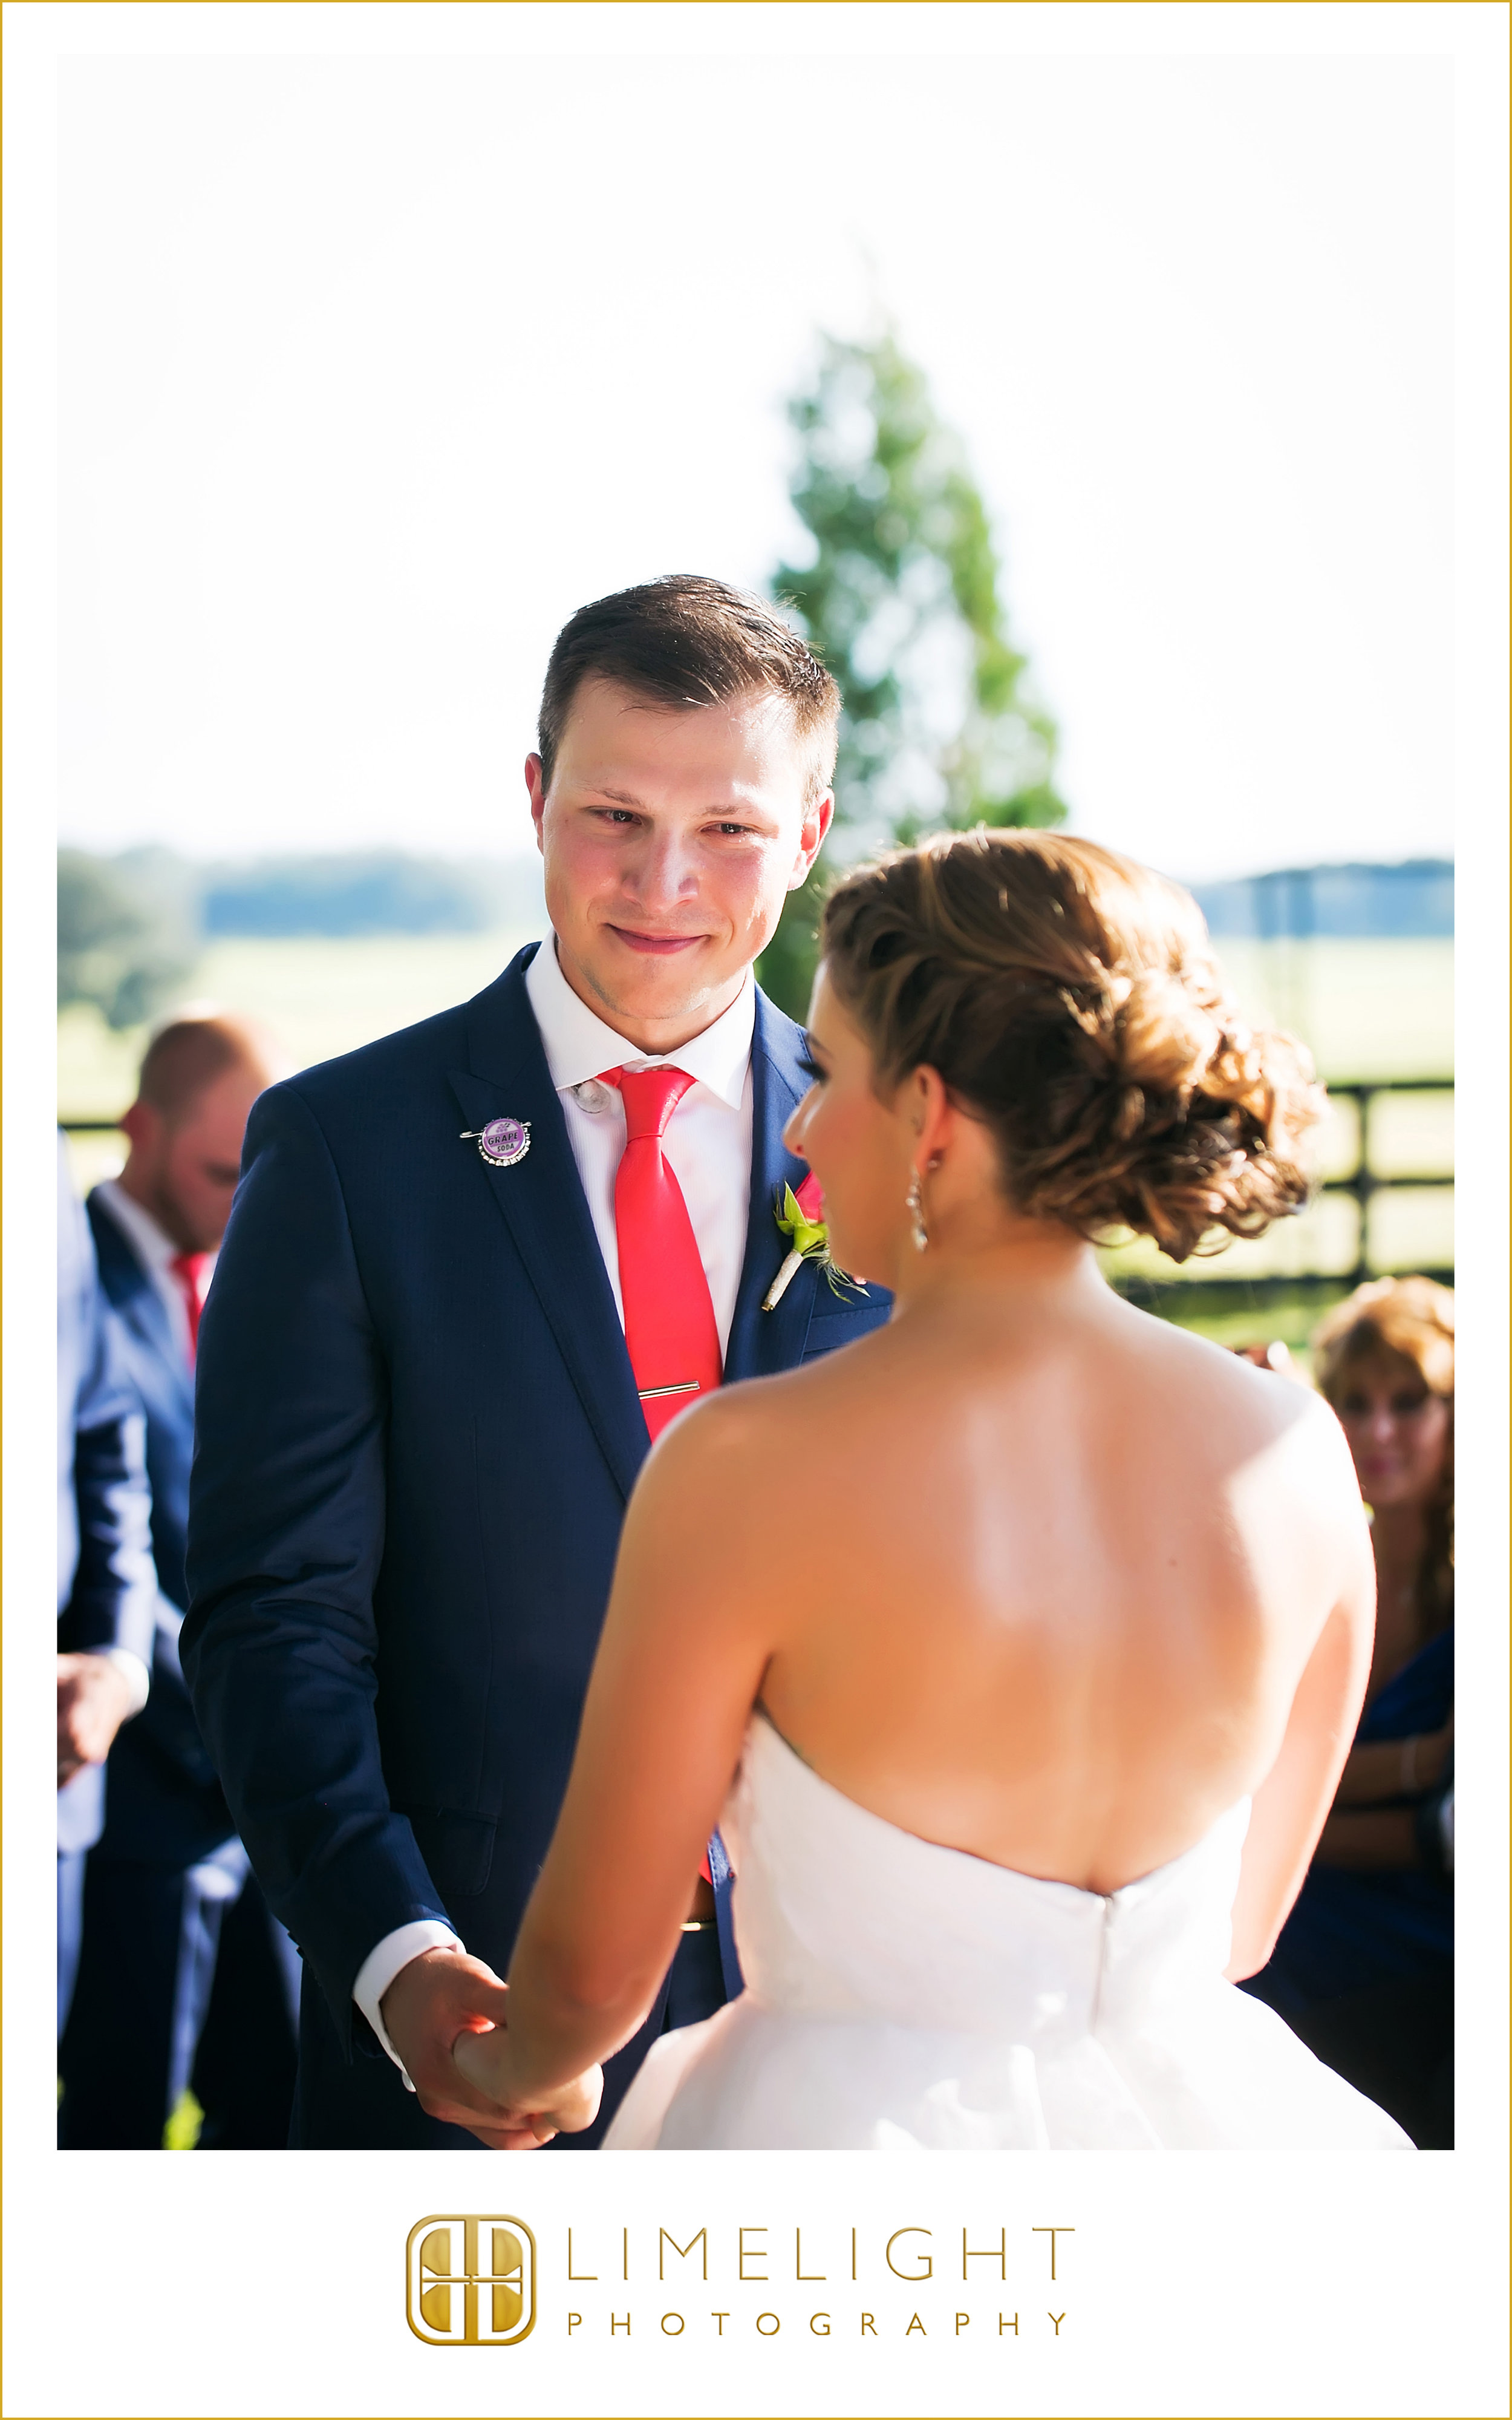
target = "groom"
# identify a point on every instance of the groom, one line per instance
(472, 1270)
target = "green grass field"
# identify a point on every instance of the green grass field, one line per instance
(1368, 1008)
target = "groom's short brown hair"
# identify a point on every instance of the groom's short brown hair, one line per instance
(686, 641)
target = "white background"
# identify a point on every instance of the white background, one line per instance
(263, 2284)
(1199, 2284)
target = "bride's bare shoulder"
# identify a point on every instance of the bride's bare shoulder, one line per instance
(787, 1421)
(1235, 1400)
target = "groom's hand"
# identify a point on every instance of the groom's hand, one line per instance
(440, 1994)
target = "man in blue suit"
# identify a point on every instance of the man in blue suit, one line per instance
(106, 1588)
(183, 1977)
(443, 1330)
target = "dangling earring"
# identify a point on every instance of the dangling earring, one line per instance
(916, 1213)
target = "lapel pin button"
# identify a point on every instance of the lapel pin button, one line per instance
(502, 1142)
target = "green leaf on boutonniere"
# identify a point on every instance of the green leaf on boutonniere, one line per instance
(809, 1240)
(806, 1235)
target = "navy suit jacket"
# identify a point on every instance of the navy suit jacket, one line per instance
(105, 1592)
(163, 1803)
(418, 1430)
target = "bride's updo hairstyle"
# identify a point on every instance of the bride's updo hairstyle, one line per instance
(1068, 998)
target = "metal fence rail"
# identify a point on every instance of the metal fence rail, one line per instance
(1365, 1184)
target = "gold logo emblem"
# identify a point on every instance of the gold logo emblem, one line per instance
(470, 2280)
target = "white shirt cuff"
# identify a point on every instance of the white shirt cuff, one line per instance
(133, 1671)
(397, 1950)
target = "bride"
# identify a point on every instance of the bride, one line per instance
(1017, 1649)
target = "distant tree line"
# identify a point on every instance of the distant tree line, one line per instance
(381, 892)
(1414, 900)
(127, 931)
(131, 928)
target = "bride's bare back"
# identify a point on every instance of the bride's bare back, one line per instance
(1051, 1597)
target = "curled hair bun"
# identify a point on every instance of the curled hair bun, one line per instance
(1069, 999)
(1167, 1039)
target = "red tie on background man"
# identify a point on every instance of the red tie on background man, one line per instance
(187, 1268)
(670, 1325)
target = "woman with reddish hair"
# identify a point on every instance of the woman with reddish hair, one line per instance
(1364, 1969)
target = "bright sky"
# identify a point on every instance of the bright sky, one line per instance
(373, 367)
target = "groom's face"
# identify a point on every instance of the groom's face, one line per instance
(671, 838)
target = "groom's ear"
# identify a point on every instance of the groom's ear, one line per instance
(535, 784)
(817, 819)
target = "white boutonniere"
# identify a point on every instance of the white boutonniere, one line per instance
(800, 1216)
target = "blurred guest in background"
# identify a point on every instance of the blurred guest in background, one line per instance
(185, 1979)
(106, 1588)
(1364, 1970)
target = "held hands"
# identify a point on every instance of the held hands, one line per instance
(445, 2017)
(93, 1700)
(485, 2060)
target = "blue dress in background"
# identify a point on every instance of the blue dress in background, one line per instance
(1351, 1931)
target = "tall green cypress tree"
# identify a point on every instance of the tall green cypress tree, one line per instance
(902, 602)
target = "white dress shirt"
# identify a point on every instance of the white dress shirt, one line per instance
(708, 1146)
(708, 1139)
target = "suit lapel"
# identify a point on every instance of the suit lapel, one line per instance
(541, 1203)
(135, 1298)
(763, 1341)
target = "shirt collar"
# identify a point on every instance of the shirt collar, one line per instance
(153, 1249)
(579, 1044)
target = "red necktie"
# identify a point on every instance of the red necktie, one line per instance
(670, 1325)
(187, 1269)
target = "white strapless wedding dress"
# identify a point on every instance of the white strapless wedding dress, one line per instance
(904, 1997)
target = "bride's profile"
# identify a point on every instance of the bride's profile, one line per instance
(1017, 1649)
